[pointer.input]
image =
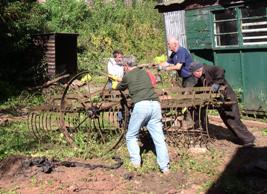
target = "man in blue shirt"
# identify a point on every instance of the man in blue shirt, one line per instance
(179, 60)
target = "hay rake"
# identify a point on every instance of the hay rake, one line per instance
(86, 114)
(185, 119)
(89, 113)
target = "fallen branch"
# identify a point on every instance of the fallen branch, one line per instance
(49, 83)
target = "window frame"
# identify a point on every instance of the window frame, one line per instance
(240, 39)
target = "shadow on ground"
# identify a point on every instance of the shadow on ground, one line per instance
(246, 173)
(222, 133)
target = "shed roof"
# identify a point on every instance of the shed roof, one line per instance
(170, 2)
(172, 5)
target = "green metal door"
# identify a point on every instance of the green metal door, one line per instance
(255, 78)
(230, 61)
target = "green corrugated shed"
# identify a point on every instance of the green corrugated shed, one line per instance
(245, 61)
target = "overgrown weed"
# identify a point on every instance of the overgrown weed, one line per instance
(25, 99)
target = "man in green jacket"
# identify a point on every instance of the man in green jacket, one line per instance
(146, 112)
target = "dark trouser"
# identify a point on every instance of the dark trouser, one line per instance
(231, 118)
(229, 114)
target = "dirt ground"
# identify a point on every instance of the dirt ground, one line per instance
(15, 178)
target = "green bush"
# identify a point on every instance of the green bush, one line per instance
(19, 21)
(104, 27)
(66, 15)
(135, 30)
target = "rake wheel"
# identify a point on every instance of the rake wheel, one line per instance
(92, 117)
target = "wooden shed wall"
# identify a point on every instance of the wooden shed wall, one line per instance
(60, 53)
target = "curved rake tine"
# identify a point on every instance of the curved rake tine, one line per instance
(102, 119)
(41, 128)
(31, 124)
(48, 120)
(207, 121)
(29, 121)
(42, 122)
(100, 133)
(37, 125)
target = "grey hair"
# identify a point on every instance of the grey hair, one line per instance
(173, 39)
(129, 60)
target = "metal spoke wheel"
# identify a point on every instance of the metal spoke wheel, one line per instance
(92, 118)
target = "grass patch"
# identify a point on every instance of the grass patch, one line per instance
(8, 192)
(205, 186)
(15, 139)
(203, 163)
(25, 99)
(213, 112)
(264, 132)
(148, 160)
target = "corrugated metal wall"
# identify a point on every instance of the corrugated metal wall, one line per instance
(175, 25)
(50, 56)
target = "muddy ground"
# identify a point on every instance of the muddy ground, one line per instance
(246, 163)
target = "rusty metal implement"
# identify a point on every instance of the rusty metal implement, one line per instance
(88, 113)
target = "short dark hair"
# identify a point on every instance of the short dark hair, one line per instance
(116, 53)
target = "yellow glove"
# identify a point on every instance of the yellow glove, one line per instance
(160, 59)
(184, 110)
(86, 78)
(114, 84)
(113, 77)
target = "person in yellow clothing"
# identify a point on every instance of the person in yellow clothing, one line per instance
(115, 69)
(82, 81)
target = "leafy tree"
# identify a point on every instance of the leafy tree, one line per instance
(136, 30)
(66, 15)
(102, 27)
(18, 21)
